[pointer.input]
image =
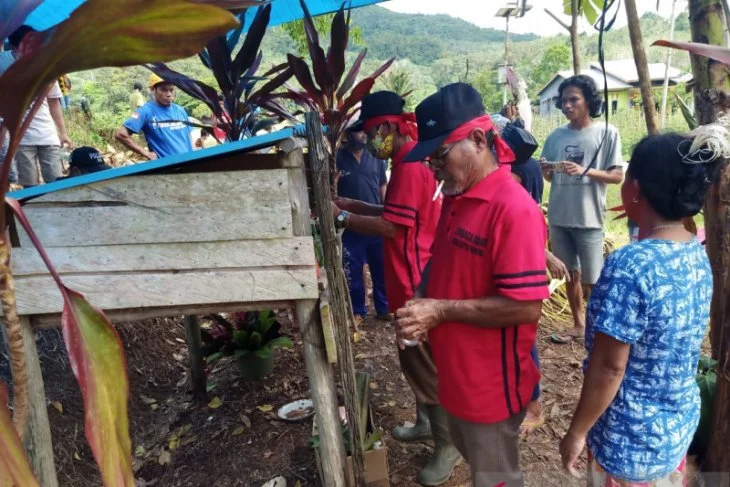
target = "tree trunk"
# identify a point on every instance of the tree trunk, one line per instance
(712, 84)
(574, 15)
(642, 67)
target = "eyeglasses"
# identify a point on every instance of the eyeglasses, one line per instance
(437, 161)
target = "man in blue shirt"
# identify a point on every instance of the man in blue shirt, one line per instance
(163, 123)
(363, 178)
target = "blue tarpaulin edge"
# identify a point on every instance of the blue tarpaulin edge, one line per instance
(51, 12)
(245, 145)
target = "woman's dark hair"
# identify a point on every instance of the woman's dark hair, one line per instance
(675, 189)
(138, 86)
(590, 93)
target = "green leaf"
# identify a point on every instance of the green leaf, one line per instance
(263, 353)
(241, 338)
(254, 341)
(241, 353)
(283, 342)
(213, 358)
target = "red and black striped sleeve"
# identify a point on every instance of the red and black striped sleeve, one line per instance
(405, 194)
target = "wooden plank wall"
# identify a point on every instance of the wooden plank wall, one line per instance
(168, 241)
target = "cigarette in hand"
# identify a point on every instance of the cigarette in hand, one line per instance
(438, 190)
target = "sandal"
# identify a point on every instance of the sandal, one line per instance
(561, 339)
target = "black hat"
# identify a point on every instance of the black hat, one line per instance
(381, 103)
(88, 160)
(442, 113)
(355, 127)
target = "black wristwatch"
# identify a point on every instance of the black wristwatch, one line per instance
(341, 219)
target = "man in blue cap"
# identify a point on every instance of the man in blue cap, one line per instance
(484, 286)
(362, 178)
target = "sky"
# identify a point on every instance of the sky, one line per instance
(481, 13)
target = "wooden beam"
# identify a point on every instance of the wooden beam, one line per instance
(38, 441)
(321, 377)
(319, 165)
(197, 361)
(39, 294)
(139, 314)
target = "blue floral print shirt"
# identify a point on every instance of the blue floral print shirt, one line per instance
(654, 295)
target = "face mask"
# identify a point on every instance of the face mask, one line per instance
(381, 146)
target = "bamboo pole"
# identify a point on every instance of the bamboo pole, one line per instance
(667, 65)
(319, 164)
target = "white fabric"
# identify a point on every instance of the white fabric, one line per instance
(42, 130)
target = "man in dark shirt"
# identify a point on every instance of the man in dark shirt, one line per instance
(363, 178)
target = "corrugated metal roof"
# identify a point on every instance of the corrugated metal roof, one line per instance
(51, 12)
(625, 70)
(246, 145)
(613, 83)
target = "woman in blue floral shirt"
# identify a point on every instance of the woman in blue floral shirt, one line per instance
(646, 319)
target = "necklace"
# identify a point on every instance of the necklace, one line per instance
(674, 225)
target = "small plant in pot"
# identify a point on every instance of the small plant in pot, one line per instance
(249, 337)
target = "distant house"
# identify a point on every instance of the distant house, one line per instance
(622, 80)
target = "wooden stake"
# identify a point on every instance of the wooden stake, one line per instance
(319, 164)
(197, 362)
(321, 376)
(38, 442)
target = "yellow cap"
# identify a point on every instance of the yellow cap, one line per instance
(154, 81)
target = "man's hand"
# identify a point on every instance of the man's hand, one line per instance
(66, 140)
(418, 316)
(570, 449)
(572, 168)
(556, 267)
(151, 156)
(343, 203)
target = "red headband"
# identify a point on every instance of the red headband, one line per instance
(406, 123)
(505, 155)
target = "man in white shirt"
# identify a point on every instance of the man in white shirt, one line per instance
(46, 134)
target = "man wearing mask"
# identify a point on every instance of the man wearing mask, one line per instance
(362, 178)
(408, 221)
(163, 122)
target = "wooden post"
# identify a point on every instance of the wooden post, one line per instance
(197, 362)
(642, 68)
(342, 316)
(712, 84)
(321, 377)
(38, 443)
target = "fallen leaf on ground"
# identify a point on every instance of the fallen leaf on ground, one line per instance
(58, 406)
(245, 420)
(164, 458)
(356, 336)
(76, 456)
(215, 403)
(265, 408)
(147, 400)
(268, 453)
(139, 451)
(373, 385)
(391, 403)
(238, 431)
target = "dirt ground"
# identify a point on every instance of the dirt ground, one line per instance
(241, 442)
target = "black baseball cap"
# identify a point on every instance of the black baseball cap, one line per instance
(381, 103)
(442, 113)
(88, 160)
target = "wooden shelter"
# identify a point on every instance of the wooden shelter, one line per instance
(218, 230)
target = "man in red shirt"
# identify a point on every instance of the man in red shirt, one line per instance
(484, 286)
(408, 221)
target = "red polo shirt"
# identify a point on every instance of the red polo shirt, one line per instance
(490, 242)
(408, 204)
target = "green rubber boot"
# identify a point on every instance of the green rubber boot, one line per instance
(421, 431)
(445, 457)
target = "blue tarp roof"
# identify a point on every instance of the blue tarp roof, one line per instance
(246, 145)
(51, 12)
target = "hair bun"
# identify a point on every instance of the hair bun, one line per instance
(691, 190)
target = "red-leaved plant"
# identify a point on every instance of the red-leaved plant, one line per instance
(332, 93)
(99, 33)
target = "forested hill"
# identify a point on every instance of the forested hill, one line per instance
(423, 38)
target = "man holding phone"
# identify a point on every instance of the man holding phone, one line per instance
(580, 160)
